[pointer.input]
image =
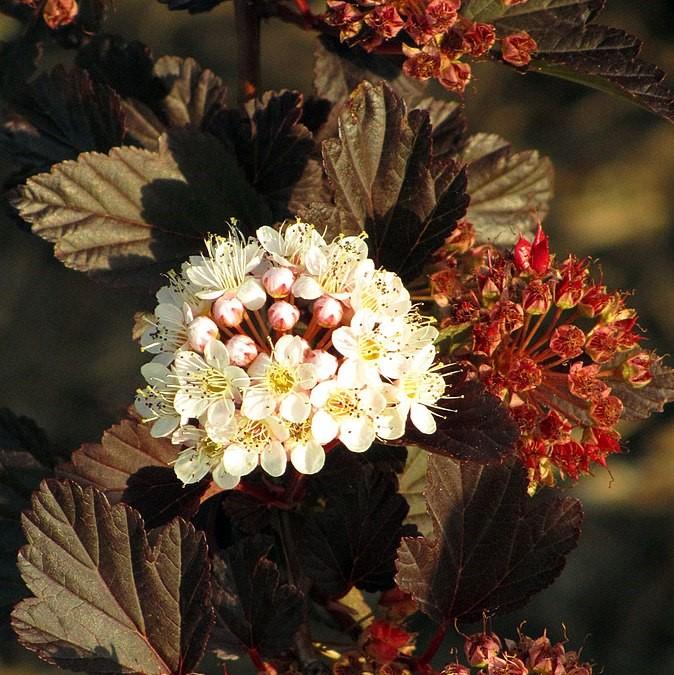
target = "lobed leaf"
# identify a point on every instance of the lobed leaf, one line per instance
(130, 465)
(24, 462)
(474, 425)
(350, 538)
(56, 117)
(380, 169)
(493, 546)
(110, 597)
(133, 213)
(412, 488)
(509, 192)
(254, 611)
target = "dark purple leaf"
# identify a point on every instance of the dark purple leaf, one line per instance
(129, 215)
(192, 6)
(130, 465)
(109, 597)
(253, 609)
(24, 461)
(56, 117)
(273, 147)
(350, 536)
(380, 168)
(493, 546)
(475, 425)
(509, 192)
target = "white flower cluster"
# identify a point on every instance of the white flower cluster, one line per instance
(272, 349)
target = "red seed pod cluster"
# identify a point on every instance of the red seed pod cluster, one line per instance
(487, 654)
(546, 338)
(432, 34)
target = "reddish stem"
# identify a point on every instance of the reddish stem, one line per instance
(432, 648)
(248, 40)
(259, 664)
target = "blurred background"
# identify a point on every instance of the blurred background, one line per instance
(67, 359)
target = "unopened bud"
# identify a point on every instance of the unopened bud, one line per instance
(481, 648)
(200, 332)
(242, 350)
(278, 281)
(637, 370)
(328, 311)
(228, 312)
(283, 316)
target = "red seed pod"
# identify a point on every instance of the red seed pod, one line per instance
(455, 76)
(385, 21)
(567, 341)
(479, 39)
(481, 648)
(524, 375)
(540, 252)
(606, 411)
(584, 382)
(602, 344)
(536, 298)
(637, 369)
(555, 427)
(517, 49)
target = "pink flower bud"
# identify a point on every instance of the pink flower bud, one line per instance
(200, 332)
(278, 281)
(328, 312)
(242, 350)
(325, 364)
(282, 315)
(227, 312)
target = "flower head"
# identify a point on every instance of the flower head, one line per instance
(548, 340)
(277, 347)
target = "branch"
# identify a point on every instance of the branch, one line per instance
(248, 39)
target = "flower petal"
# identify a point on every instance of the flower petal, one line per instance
(357, 433)
(274, 459)
(324, 427)
(308, 458)
(422, 418)
(295, 407)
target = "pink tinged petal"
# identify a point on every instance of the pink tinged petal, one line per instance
(308, 458)
(321, 392)
(274, 459)
(237, 376)
(238, 461)
(220, 413)
(210, 295)
(325, 364)
(307, 288)
(252, 294)
(164, 426)
(324, 427)
(295, 407)
(352, 374)
(357, 433)
(189, 468)
(259, 367)
(422, 418)
(223, 479)
(372, 401)
(307, 376)
(315, 261)
(345, 341)
(216, 355)
(257, 404)
(278, 428)
(271, 239)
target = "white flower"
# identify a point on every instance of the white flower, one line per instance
(155, 403)
(281, 382)
(168, 332)
(208, 386)
(408, 334)
(347, 414)
(420, 388)
(306, 453)
(367, 353)
(379, 291)
(226, 268)
(330, 270)
(180, 290)
(202, 455)
(288, 246)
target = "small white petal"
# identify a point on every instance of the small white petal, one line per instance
(257, 404)
(223, 479)
(238, 461)
(274, 459)
(324, 427)
(308, 458)
(307, 287)
(189, 467)
(164, 426)
(357, 433)
(345, 341)
(252, 294)
(295, 407)
(216, 354)
(422, 418)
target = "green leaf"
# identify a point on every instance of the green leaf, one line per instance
(109, 597)
(254, 610)
(132, 214)
(412, 488)
(130, 465)
(24, 462)
(56, 117)
(509, 192)
(380, 168)
(493, 546)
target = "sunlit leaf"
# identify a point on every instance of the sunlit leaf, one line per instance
(412, 487)
(109, 597)
(493, 546)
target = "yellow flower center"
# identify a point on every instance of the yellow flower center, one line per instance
(342, 403)
(369, 348)
(280, 379)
